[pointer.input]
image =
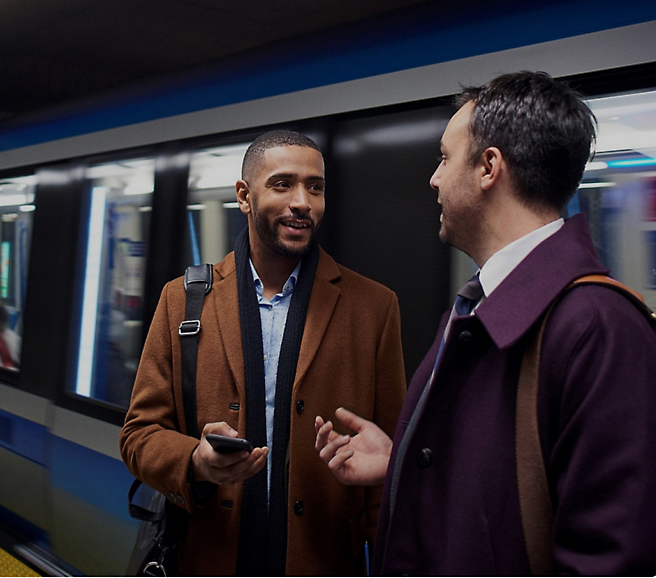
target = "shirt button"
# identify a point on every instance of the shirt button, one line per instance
(300, 406)
(298, 508)
(265, 357)
(425, 458)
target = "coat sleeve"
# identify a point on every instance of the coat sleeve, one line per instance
(390, 393)
(598, 427)
(151, 444)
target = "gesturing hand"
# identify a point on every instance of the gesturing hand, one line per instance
(361, 459)
(211, 466)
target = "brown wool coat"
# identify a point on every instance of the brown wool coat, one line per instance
(350, 356)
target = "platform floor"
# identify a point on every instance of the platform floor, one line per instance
(10, 566)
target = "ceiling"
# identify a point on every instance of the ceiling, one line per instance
(54, 51)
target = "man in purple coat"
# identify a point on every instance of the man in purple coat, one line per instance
(513, 156)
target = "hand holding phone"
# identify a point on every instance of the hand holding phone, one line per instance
(228, 445)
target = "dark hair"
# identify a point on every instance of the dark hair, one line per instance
(269, 140)
(543, 129)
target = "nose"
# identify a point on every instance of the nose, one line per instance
(300, 200)
(435, 179)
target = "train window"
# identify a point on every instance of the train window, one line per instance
(618, 192)
(109, 340)
(214, 219)
(16, 198)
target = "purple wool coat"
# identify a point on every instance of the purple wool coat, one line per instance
(456, 507)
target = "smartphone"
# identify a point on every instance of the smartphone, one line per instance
(228, 445)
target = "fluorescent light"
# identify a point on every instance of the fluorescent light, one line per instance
(198, 207)
(632, 163)
(26, 208)
(91, 291)
(17, 199)
(596, 166)
(234, 205)
(597, 185)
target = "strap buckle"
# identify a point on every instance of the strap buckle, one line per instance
(199, 274)
(189, 327)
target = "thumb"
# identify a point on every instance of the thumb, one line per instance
(350, 419)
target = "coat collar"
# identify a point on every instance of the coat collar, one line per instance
(525, 294)
(324, 297)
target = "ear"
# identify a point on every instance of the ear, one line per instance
(243, 196)
(492, 164)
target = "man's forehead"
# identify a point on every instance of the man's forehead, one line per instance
(277, 156)
(459, 123)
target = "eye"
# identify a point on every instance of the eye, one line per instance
(283, 185)
(316, 189)
(440, 160)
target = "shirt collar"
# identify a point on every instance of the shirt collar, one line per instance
(288, 287)
(499, 266)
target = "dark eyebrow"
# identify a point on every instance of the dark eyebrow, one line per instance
(293, 176)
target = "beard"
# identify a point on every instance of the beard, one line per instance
(269, 234)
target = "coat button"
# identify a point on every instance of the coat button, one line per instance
(172, 497)
(300, 406)
(425, 458)
(465, 337)
(298, 508)
(181, 500)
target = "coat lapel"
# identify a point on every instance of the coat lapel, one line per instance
(323, 300)
(320, 310)
(227, 311)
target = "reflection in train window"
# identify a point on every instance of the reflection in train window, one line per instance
(214, 220)
(16, 198)
(118, 213)
(618, 192)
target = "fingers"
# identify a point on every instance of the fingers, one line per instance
(221, 428)
(350, 419)
(226, 471)
(329, 450)
(323, 431)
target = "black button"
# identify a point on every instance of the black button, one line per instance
(298, 508)
(465, 337)
(300, 406)
(234, 406)
(425, 458)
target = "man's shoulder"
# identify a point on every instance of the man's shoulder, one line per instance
(224, 268)
(596, 311)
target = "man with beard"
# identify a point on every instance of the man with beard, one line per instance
(512, 157)
(287, 333)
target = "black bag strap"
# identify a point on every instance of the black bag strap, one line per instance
(534, 496)
(197, 283)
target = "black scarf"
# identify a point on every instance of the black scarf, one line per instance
(262, 537)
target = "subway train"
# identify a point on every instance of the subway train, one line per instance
(101, 205)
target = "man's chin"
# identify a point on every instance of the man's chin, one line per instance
(292, 250)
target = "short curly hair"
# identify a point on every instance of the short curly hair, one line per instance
(272, 139)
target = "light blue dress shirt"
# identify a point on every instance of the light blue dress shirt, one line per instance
(273, 316)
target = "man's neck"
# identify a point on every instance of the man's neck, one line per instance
(273, 270)
(505, 227)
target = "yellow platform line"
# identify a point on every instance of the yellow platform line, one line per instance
(10, 566)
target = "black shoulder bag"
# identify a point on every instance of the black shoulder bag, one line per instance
(163, 524)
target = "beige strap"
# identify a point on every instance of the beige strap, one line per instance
(534, 497)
